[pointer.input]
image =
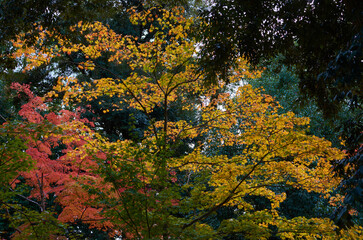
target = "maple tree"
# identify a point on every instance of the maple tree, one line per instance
(320, 40)
(46, 160)
(343, 132)
(140, 189)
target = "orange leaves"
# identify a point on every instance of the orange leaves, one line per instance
(88, 65)
(272, 152)
(77, 203)
(35, 56)
(157, 64)
(243, 70)
(66, 136)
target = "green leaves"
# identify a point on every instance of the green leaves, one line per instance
(13, 157)
(139, 188)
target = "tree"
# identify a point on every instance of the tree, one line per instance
(141, 188)
(281, 83)
(42, 162)
(321, 39)
(52, 14)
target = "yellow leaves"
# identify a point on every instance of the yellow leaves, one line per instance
(204, 230)
(146, 88)
(274, 151)
(336, 200)
(175, 130)
(68, 86)
(88, 65)
(355, 232)
(278, 152)
(167, 20)
(302, 228)
(34, 56)
(253, 225)
(257, 225)
(242, 70)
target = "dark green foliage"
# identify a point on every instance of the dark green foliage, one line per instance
(12, 154)
(314, 41)
(24, 16)
(352, 184)
(5, 105)
(125, 124)
(19, 15)
(14, 209)
(80, 231)
(301, 203)
(282, 83)
(344, 74)
(313, 35)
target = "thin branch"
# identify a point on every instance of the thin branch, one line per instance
(228, 198)
(185, 82)
(176, 71)
(40, 183)
(133, 96)
(3, 118)
(146, 200)
(25, 215)
(83, 213)
(28, 199)
(133, 225)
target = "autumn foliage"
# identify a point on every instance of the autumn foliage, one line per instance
(142, 189)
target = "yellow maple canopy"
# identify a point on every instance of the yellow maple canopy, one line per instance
(275, 153)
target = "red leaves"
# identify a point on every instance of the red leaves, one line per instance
(44, 147)
(29, 110)
(61, 162)
(22, 88)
